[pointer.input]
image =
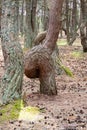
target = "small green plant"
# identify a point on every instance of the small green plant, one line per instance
(77, 54)
(62, 42)
(10, 111)
(66, 69)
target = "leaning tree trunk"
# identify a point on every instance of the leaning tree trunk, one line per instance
(55, 55)
(38, 61)
(11, 83)
(83, 28)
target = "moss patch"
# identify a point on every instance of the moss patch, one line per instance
(16, 110)
(10, 111)
(25, 49)
(63, 67)
(61, 42)
(77, 54)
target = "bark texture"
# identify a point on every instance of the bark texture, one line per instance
(83, 28)
(11, 83)
(0, 18)
(30, 25)
(38, 62)
(54, 24)
(39, 38)
(55, 55)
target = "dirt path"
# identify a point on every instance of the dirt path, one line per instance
(67, 110)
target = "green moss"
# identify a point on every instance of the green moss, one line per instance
(66, 69)
(62, 42)
(16, 110)
(25, 49)
(10, 111)
(77, 54)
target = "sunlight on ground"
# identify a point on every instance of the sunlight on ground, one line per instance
(16, 110)
(77, 54)
(30, 114)
(63, 41)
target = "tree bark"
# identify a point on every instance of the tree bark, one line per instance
(0, 18)
(11, 83)
(67, 21)
(74, 23)
(83, 28)
(54, 24)
(30, 28)
(38, 62)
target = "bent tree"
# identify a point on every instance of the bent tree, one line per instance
(38, 62)
(11, 83)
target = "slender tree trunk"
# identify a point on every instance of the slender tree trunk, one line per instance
(17, 3)
(38, 61)
(22, 18)
(33, 15)
(74, 23)
(67, 21)
(0, 18)
(11, 83)
(30, 28)
(54, 25)
(83, 27)
(45, 18)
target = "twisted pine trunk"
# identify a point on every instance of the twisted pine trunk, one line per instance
(38, 62)
(11, 83)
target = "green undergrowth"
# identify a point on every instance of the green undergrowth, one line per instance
(16, 110)
(77, 54)
(25, 49)
(64, 68)
(67, 70)
(10, 111)
(61, 42)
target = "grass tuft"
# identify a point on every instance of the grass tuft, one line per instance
(66, 69)
(77, 54)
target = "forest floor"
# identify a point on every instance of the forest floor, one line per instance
(67, 110)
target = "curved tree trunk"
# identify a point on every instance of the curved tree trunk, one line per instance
(11, 83)
(54, 24)
(38, 62)
(55, 55)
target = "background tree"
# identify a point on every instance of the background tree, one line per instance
(0, 18)
(83, 28)
(30, 25)
(11, 83)
(67, 22)
(22, 17)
